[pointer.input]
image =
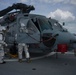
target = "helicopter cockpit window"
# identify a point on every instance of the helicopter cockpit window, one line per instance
(1, 37)
(58, 26)
(23, 25)
(31, 27)
(44, 24)
(27, 26)
(36, 23)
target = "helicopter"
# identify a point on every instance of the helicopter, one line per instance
(40, 33)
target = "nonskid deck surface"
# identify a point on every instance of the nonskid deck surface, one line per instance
(65, 64)
(33, 56)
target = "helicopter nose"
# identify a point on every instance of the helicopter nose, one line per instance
(65, 38)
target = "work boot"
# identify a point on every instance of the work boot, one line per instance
(28, 60)
(3, 62)
(20, 60)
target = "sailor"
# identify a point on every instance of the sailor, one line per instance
(21, 47)
(2, 43)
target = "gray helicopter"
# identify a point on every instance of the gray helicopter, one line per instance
(40, 33)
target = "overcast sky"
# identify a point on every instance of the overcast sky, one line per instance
(62, 10)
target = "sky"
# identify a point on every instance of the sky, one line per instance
(62, 10)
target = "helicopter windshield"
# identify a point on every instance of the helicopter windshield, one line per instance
(56, 24)
(43, 22)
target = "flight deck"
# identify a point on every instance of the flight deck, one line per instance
(65, 64)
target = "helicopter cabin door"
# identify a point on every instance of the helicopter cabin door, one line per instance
(28, 32)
